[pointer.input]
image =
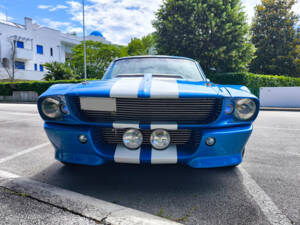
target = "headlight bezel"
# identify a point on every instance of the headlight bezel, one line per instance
(249, 102)
(57, 113)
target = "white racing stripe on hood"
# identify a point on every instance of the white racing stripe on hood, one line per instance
(164, 88)
(126, 88)
(167, 156)
(124, 155)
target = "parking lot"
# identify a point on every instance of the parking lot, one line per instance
(265, 189)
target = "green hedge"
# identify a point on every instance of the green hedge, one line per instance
(6, 88)
(253, 81)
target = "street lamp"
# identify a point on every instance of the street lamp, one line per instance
(84, 46)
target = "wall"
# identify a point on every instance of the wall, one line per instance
(280, 97)
(33, 35)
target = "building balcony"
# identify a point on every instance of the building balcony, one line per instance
(24, 54)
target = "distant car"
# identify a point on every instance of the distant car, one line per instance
(149, 110)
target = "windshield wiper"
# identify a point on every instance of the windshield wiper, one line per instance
(130, 75)
(153, 75)
(168, 76)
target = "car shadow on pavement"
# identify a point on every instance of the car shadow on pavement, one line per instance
(187, 195)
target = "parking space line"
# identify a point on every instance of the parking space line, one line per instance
(13, 121)
(20, 113)
(23, 152)
(277, 128)
(268, 207)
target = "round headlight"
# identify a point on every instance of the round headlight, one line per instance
(244, 109)
(51, 107)
(132, 138)
(160, 139)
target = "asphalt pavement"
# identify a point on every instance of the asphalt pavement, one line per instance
(265, 189)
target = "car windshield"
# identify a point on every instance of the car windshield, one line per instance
(162, 67)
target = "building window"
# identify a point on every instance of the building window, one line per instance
(19, 65)
(35, 67)
(51, 51)
(41, 68)
(39, 49)
(20, 44)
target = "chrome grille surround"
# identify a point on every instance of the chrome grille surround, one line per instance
(181, 110)
(178, 137)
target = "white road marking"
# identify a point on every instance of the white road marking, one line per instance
(164, 125)
(23, 152)
(20, 113)
(124, 155)
(268, 207)
(167, 156)
(14, 121)
(277, 128)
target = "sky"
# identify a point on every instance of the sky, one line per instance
(117, 20)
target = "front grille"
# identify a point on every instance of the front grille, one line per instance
(182, 110)
(178, 137)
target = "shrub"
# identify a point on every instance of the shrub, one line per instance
(39, 87)
(253, 81)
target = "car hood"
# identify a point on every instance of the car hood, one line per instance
(148, 88)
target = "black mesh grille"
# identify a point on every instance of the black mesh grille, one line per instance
(179, 137)
(183, 110)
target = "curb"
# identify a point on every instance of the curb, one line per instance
(85, 206)
(279, 109)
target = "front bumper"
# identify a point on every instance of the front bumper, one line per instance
(227, 151)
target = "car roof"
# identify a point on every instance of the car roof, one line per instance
(154, 56)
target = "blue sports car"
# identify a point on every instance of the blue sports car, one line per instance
(149, 110)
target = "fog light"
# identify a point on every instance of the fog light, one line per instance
(132, 139)
(82, 138)
(210, 141)
(160, 139)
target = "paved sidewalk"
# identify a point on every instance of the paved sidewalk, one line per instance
(25, 201)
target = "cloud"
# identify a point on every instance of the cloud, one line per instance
(250, 4)
(249, 8)
(51, 8)
(66, 27)
(3, 17)
(44, 6)
(119, 21)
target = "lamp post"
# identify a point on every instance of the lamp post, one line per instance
(84, 46)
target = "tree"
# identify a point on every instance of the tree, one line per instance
(141, 46)
(59, 71)
(98, 56)
(214, 32)
(9, 63)
(275, 38)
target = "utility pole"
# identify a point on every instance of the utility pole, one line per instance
(84, 46)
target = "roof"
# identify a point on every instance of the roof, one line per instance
(96, 33)
(154, 56)
(12, 24)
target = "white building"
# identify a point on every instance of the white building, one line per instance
(34, 46)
